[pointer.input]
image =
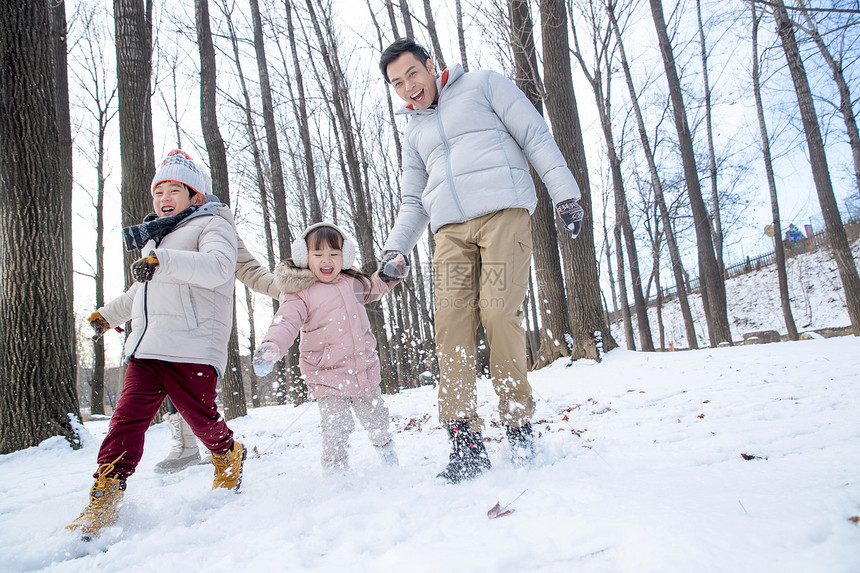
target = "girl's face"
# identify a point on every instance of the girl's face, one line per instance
(325, 261)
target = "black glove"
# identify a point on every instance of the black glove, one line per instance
(143, 269)
(571, 213)
(393, 266)
(99, 324)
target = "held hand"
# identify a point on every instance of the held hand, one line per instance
(394, 266)
(143, 269)
(99, 324)
(571, 213)
(265, 357)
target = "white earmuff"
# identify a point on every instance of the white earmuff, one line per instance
(300, 247)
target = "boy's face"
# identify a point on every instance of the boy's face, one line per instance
(171, 198)
(414, 81)
(325, 262)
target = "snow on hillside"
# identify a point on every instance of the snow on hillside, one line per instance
(817, 301)
(641, 468)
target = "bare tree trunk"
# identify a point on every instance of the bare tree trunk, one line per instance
(554, 320)
(716, 222)
(38, 398)
(362, 216)
(601, 40)
(133, 23)
(656, 183)
(304, 129)
(820, 172)
(252, 341)
(845, 101)
(461, 36)
(296, 389)
(101, 93)
(778, 247)
(711, 281)
(622, 290)
(407, 18)
(434, 37)
(591, 334)
(232, 387)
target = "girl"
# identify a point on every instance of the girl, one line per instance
(323, 300)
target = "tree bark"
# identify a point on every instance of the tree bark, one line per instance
(461, 36)
(554, 320)
(232, 387)
(133, 24)
(591, 334)
(38, 397)
(711, 281)
(778, 247)
(820, 172)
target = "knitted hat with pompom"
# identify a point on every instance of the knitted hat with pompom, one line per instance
(179, 167)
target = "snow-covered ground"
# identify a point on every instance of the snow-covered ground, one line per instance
(815, 289)
(640, 468)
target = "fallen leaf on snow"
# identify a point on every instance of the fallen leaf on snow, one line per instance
(498, 511)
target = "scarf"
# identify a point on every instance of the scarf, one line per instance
(153, 227)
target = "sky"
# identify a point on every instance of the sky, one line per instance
(716, 460)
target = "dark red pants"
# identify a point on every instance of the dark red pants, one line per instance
(191, 387)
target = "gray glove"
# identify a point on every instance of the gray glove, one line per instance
(571, 213)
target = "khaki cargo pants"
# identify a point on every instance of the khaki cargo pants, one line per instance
(481, 274)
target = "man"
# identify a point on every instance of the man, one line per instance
(465, 172)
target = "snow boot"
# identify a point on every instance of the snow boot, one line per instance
(468, 457)
(388, 453)
(103, 509)
(184, 452)
(522, 444)
(228, 467)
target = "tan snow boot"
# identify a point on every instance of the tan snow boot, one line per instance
(228, 467)
(103, 509)
(184, 452)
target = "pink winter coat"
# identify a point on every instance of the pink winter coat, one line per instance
(337, 350)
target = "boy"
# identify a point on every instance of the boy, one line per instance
(180, 311)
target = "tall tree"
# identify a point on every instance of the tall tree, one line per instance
(461, 36)
(342, 113)
(232, 387)
(133, 33)
(716, 219)
(99, 93)
(590, 332)
(711, 281)
(820, 172)
(846, 107)
(434, 36)
(778, 247)
(601, 86)
(656, 183)
(38, 398)
(555, 322)
(302, 117)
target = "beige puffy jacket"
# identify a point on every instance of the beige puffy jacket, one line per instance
(185, 312)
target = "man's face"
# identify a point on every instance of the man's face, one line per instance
(413, 81)
(171, 198)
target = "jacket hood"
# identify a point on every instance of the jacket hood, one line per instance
(444, 79)
(291, 279)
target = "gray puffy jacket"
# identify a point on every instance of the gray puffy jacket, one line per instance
(467, 156)
(184, 314)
